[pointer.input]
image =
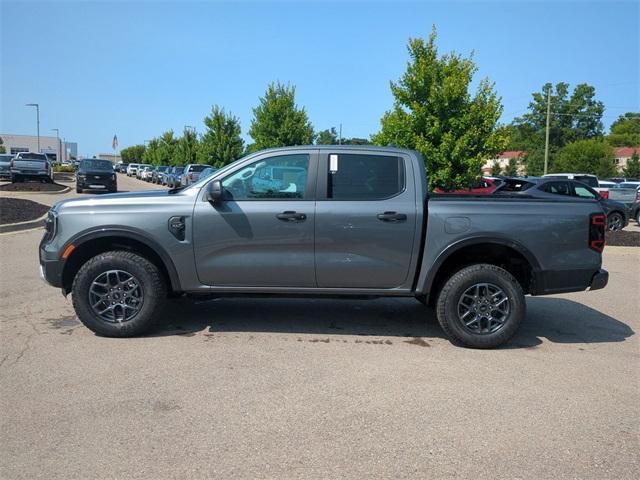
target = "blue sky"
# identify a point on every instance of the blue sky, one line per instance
(137, 69)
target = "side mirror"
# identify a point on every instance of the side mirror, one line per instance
(215, 192)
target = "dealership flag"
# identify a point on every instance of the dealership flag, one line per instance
(114, 144)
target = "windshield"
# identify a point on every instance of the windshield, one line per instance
(629, 185)
(5, 158)
(587, 180)
(197, 168)
(94, 164)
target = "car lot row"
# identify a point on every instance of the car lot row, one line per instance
(171, 176)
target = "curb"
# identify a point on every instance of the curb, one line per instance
(21, 226)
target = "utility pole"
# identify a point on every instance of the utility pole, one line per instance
(37, 120)
(546, 135)
(340, 136)
(59, 154)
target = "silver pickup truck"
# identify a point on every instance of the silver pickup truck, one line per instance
(32, 166)
(322, 221)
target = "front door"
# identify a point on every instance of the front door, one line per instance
(261, 235)
(365, 220)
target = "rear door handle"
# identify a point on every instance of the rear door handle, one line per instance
(291, 216)
(392, 217)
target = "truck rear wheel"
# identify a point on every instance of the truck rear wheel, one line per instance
(481, 306)
(118, 294)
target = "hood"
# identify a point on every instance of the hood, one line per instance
(124, 200)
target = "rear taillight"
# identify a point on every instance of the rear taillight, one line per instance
(597, 224)
(11, 163)
(638, 196)
(604, 194)
(191, 176)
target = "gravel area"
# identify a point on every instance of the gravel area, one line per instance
(14, 210)
(623, 238)
(32, 187)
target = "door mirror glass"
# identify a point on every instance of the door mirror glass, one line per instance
(215, 192)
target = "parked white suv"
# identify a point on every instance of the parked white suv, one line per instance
(131, 169)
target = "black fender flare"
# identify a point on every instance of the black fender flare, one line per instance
(132, 233)
(445, 254)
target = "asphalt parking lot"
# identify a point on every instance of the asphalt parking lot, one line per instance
(258, 388)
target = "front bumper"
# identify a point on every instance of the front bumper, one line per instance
(94, 184)
(51, 271)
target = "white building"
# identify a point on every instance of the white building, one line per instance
(503, 161)
(623, 155)
(49, 145)
(113, 158)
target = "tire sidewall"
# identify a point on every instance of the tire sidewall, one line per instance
(147, 275)
(468, 277)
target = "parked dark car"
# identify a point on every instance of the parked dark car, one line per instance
(629, 194)
(121, 167)
(32, 166)
(550, 187)
(5, 162)
(96, 174)
(486, 186)
(173, 178)
(156, 175)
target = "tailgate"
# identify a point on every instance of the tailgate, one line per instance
(624, 195)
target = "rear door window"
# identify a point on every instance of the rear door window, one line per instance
(558, 188)
(353, 176)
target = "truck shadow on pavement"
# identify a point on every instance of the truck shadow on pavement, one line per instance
(555, 319)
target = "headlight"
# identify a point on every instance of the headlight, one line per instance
(50, 226)
(82, 177)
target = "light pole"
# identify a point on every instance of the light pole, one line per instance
(59, 159)
(37, 119)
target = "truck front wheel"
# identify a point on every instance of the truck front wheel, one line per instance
(481, 306)
(118, 294)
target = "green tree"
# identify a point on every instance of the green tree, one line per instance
(132, 154)
(186, 147)
(167, 149)
(574, 116)
(2, 147)
(327, 137)
(496, 169)
(512, 168)
(278, 121)
(221, 143)
(356, 141)
(593, 156)
(151, 152)
(625, 131)
(632, 170)
(435, 114)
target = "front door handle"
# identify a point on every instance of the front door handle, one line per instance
(291, 216)
(392, 217)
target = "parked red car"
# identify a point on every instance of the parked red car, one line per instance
(486, 186)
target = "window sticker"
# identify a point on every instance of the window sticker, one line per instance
(333, 163)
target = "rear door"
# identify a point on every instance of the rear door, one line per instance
(365, 219)
(261, 235)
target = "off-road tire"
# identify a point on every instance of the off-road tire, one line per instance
(150, 279)
(457, 284)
